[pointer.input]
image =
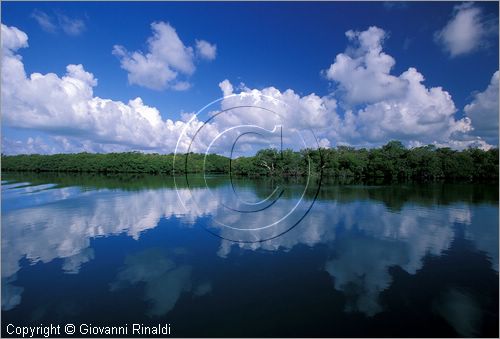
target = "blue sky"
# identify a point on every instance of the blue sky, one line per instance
(262, 45)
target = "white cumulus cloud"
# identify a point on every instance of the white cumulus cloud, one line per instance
(466, 31)
(166, 58)
(13, 39)
(66, 106)
(363, 71)
(392, 106)
(368, 108)
(206, 50)
(483, 111)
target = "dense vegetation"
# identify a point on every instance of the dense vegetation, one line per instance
(391, 161)
(129, 162)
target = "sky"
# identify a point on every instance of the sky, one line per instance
(127, 76)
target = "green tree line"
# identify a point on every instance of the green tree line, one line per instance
(391, 161)
(127, 162)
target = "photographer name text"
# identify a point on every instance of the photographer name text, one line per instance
(52, 330)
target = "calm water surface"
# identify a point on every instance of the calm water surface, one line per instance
(344, 260)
